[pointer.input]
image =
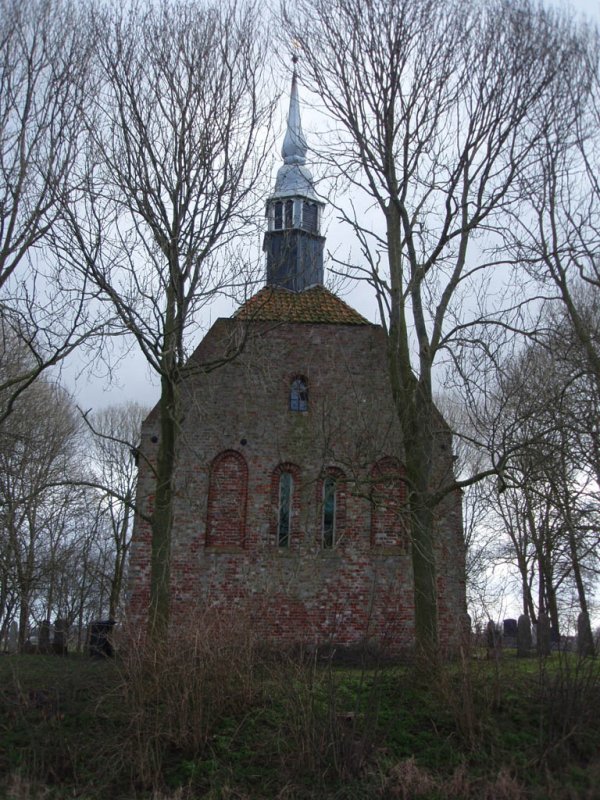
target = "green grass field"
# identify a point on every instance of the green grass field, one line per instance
(77, 728)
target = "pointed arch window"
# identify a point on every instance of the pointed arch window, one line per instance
(299, 394)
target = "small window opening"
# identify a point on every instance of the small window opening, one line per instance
(289, 213)
(278, 216)
(299, 395)
(329, 504)
(286, 485)
(310, 217)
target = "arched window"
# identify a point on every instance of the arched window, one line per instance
(285, 483)
(284, 513)
(331, 502)
(388, 504)
(329, 511)
(227, 496)
(299, 395)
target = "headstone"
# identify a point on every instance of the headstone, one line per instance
(509, 633)
(44, 636)
(585, 639)
(524, 642)
(543, 634)
(554, 639)
(493, 640)
(61, 634)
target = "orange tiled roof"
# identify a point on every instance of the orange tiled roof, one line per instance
(317, 304)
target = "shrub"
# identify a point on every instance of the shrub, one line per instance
(175, 692)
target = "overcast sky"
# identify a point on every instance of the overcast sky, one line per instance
(132, 380)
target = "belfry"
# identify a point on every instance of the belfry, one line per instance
(293, 243)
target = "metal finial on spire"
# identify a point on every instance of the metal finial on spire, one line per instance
(294, 146)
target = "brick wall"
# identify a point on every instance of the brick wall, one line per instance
(237, 436)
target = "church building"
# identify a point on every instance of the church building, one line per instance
(291, 504)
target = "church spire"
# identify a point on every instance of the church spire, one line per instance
(294, 147)
(293, 243)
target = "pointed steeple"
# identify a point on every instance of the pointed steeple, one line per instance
(294, 146)
(293, 243)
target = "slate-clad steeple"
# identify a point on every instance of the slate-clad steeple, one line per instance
(293, 242)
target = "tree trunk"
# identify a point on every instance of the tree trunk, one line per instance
(121, 552)
(23, 620)
(581, 595)
(162, 516)
(414, 406)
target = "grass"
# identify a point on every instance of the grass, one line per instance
(69, 728)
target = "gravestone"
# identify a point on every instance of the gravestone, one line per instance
(493, 640)
(585, 640)
(509, 633)
(524, 641)
(543, 634)
(44, 637)
(61, 634)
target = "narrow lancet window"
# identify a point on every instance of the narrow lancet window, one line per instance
(289, 213)
(299, 395)
(278, 216)
(329, 509)
(286, 485)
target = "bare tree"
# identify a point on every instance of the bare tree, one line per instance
(177, 148)
(36, 453)
(556, 232)
(114, 457)
(437, 108)
(45, 50)
(547, 515)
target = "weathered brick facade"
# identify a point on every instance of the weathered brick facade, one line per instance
(239, 435)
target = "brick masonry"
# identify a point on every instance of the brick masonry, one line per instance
(238, 435)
